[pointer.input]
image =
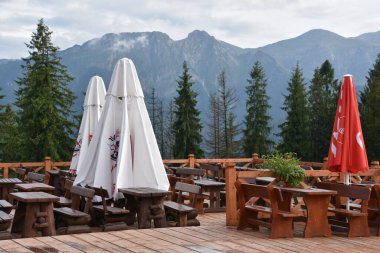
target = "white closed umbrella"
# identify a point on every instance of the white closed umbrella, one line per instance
(92, 109)
(119, 156)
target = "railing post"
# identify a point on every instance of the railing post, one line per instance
(231, 212)
(47, 169)
(375, 165)
(191, 161)
(5, 172)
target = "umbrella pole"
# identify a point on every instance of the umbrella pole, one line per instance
(347, 182)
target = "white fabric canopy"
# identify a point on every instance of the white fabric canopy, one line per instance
(92, 109)
(124, 150)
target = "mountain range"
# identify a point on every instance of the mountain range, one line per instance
(158, 60)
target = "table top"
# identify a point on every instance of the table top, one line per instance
(205, 182)
(34, 187)
(308, 191)
(10, 181)
(144, 191)
(34, 197)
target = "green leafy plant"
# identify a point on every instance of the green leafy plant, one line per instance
(285, 167)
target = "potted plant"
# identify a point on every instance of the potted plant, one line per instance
(285, 168)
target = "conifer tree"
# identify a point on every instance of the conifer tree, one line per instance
(169, 131)
(295, 129)
(222, 127)
(10, 141)
(257, 130)
(229, 128)
(323, 94)
(187, 125)
(370, 113)
(45, 101)
(213, 139)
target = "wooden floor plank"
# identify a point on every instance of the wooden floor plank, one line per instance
(79, 244)
(58, 244)
(101, 243)
(12, 246)
(213, 236)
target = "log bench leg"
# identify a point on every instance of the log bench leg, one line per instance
(358, 226)
(282, 228)
(182, 219)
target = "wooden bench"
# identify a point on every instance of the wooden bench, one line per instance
(70, 220)
(5, 223)
(21, 174)
(5, 206)
(33, 177)
(65, 200)
(185, 214)
(190, 172)
(185, 195)
(355, 220)
(213, 172)
(109, 218)
(280, 222)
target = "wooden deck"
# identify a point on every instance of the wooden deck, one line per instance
(211, 237)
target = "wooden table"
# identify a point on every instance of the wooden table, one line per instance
(147, 203)
(35, 187)
(214, 188)
(34, 213)
(6, 187)
(317, 203)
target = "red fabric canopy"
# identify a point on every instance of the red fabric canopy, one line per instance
(347, 150)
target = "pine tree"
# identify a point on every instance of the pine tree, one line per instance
(169, 131)
(257, 129)
(8, 133)
(45, 101)
(295, 130)
(156, 114)
(187, 127)
(370, 113)
(10, 141)
(222, 127)
(213, 139)
(229, 128)
(323, 94)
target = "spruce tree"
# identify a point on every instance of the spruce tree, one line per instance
(213, 139)
(9, 138)
(323, 94)
(10, 141)
(169, 131)
(187, 125)
(257, 130)
(370, 113)
(229, 128)
(45, 101)
(295, 129)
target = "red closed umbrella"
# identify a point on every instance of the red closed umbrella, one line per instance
(347, 150)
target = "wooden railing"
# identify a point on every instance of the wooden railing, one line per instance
(44, 166)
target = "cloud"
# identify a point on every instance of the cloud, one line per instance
(245, 23)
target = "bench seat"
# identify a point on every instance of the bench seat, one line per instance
(67, 211)
(111, 209)
(5, 206)
(63, 202)
(346, 212)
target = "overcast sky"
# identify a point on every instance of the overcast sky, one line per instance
(244, 23)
